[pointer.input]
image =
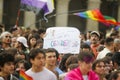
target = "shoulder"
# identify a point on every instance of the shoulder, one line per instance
(59, 70)
(101, 54)
(91, 72)
(74, 73)
(48, 72)
(14, 78)
(1, 78)
(93, 75)
(29, 71)
(62, 76)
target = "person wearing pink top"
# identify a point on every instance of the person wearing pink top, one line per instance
(84, 71)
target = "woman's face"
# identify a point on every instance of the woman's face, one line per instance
(32, 41)
(100, 68)
(108, 67)
(21, 67)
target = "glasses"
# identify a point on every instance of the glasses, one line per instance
(7, 36)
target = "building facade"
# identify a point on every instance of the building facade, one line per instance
(61, 16)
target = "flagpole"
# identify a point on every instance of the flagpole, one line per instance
(17, 20)
(69, 13)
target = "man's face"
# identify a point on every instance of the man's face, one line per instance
(6, 39)
(38, 61)
(51, 58)
(86, 67)
(94, 39)
(8, 68)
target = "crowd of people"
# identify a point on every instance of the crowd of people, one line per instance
(22, 49)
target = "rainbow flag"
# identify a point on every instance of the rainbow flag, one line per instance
(97, 15)
(110, 20)
(91, 14)
(24, 76)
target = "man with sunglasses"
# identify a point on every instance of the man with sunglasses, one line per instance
(5, 38)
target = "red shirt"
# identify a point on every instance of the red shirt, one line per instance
(94, 49)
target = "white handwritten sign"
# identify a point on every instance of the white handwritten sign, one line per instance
(63, 39)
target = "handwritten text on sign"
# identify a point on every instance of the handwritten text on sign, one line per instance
(63, 39)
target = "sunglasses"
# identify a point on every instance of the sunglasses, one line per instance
(7, 36)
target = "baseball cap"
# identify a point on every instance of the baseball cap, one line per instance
(95, 32)
(23, 40)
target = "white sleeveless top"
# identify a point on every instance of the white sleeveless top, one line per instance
(85, 77)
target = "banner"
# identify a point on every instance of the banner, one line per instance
(63, 39)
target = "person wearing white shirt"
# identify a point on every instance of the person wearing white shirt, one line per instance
(109, 47)
(38, 71)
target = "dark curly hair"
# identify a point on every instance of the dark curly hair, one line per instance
(5, 57)
(116, 58)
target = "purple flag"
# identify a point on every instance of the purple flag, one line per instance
(37, 6)
(117, 28)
